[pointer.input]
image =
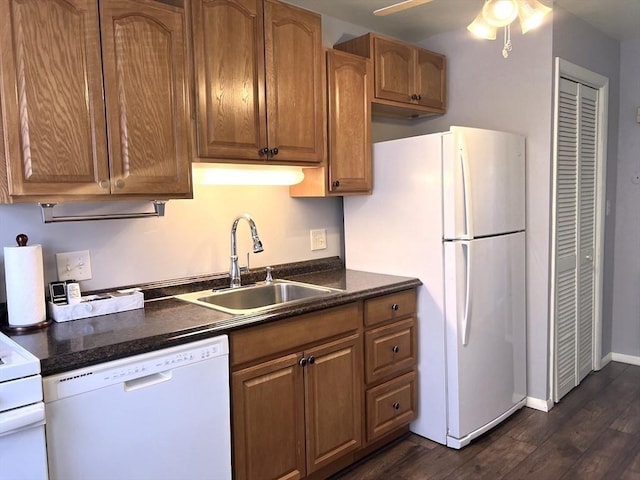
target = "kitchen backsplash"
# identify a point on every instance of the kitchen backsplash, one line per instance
(193, 238)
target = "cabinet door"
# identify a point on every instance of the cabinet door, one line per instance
(333, 395)
(51, 90)
(229, 63)
(394, 70)
(268, 420)
(430, 79)
(146, 94)
(349, 117)
(294, 86)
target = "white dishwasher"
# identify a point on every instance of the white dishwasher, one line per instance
(159, 415)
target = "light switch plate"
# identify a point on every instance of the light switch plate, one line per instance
(318, 239)
(74, 265)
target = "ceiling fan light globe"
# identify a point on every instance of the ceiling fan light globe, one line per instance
(531, 14)
(499, 13)
(481, 29)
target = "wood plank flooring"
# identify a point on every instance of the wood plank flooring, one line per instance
(593, 433)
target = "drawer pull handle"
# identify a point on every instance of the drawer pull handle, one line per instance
(395, 349)
(302, 362)
(395, 307)
(396, 406)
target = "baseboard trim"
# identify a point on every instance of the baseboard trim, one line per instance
(621, 357)
(539, 404)
(606, 360)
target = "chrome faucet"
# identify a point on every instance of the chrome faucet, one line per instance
(234, 269)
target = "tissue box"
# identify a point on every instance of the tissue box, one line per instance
(96, 305)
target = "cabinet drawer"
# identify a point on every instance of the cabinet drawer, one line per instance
(389, 307)
(391, 405)
(390, 349)
(269, 339)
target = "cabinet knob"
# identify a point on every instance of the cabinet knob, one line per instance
(302, 362)
(335, 183)
(311, 360)
(263, 151)
(395, 349)
(274, 151)
(414, 97)
(418, 97)
(119, 183)
(395, 307)
(396, 406)
(104, 184)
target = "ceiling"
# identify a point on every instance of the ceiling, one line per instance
(619, 19)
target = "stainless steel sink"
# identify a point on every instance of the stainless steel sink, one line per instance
(257, 297)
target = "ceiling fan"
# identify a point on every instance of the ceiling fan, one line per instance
(398, 7)
(494, 14)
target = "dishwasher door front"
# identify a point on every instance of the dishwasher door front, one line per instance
(162, 415)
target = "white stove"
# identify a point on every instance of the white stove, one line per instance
(23, 452)
(15, 361)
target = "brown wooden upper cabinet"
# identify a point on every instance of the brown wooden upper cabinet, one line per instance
(348, 169)
(62, 138)
(408, 81)
(259, 86)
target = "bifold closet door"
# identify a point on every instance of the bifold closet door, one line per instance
(576, 180)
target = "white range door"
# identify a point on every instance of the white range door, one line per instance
(160, 415)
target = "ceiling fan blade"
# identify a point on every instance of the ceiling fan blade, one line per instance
(398, 7)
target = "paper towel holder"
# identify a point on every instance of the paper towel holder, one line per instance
(49, 217)
(21, 241)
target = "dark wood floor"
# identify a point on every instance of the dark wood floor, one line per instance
(594, 432)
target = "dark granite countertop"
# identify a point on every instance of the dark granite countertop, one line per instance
(167, 321)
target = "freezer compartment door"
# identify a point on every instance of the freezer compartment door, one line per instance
(485, 330)
(483, 183)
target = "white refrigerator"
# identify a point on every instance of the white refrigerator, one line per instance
(449, 208)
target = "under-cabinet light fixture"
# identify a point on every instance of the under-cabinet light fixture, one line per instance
(223, 174)
(501, 13)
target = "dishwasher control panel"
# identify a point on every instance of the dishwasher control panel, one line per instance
(133, 368)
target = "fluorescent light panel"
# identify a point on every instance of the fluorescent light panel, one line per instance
(227, 174)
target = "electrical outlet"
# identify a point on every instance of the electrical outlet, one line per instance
(318, 239)
(74, 265)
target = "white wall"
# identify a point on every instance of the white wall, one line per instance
(626, 281)
(514, 94)
(581, 44)
(192, 239)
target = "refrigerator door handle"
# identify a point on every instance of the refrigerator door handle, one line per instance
(466, 191)
(467, 304)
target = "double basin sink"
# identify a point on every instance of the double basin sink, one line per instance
(257, 297)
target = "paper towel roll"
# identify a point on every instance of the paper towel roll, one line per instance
(24, 278)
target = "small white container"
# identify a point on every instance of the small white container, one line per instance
(73, 293)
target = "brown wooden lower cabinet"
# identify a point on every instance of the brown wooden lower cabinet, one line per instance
(297, 413)
(299, 406)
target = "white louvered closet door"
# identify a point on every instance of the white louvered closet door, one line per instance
(575, 234)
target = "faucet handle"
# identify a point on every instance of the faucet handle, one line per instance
(269, 277)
